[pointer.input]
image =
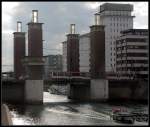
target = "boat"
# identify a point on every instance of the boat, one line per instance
(123, 116)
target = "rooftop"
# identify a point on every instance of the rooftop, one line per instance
(116, 7)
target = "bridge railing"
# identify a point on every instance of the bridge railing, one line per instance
(69, 74)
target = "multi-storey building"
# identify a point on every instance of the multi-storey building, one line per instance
(115, 18)
(84, 52)
(53, 63)
(132, 54)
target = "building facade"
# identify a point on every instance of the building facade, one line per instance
(84, 52)
(53, 63)
(64, 56)
(115, 18)
(132, 54)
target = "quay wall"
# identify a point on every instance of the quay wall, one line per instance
(13, 91)
(128, 90)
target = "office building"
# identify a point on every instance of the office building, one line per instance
(132, 54)
(115, 18)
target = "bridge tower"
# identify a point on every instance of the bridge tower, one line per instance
(72, 50)
(34, 62)
(19, 51)
(97, 44)
(99, 85)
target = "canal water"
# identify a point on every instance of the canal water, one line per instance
(58, 110)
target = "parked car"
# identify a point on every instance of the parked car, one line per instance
(140, 116)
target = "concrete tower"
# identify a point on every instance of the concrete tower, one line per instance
(19, 51)
(97, 44)
(72, 50)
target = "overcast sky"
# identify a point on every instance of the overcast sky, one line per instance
(56, 16)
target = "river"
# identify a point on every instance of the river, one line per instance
(58, 110)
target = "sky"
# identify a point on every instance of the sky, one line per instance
(57, 17)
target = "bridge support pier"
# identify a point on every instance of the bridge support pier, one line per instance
(99, 89)
(34, 91)
(79, 92)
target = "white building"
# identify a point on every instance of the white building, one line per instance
(64, 56)
(84, 52)
(115, 17)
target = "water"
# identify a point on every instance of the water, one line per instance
(58, 110)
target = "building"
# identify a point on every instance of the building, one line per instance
(132, 53)
(53, 63)
(115, 18)
(84, 52)
(64, 56)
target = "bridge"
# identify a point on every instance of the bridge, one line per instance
(68, 77)
(80, 87)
